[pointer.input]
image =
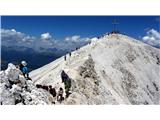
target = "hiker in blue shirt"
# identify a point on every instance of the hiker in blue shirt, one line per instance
(24, 70)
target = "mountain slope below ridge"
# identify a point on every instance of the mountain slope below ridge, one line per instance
(114, 69)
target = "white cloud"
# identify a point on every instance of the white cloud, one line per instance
(74, 38)
(13, 30)
(10, 33)
(77, 38)
(11, 36)
(46, 36)
(152, 38)
(94, 39)
(75, 41)
(14, 38)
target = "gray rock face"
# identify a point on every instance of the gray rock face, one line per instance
(87, 88)
(23, 92)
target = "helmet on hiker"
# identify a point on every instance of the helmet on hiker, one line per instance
(24, 63)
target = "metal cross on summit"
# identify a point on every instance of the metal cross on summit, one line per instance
(115, 23)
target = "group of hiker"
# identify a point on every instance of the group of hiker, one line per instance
(70, 54)
(64, 77)
(67, 83)
(65, 57)
(52, 91)
(109, 33)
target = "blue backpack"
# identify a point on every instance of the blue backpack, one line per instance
(25, 70)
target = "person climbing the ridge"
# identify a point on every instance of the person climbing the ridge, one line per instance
(70, 54)
(60, 97)
(24, 70)
(67, 82)
(52, 91)
(64, 58)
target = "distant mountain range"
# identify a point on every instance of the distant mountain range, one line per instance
(33, 58)
(17, 46)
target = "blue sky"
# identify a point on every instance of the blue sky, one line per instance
(85, 26)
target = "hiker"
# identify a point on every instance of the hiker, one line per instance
(45, 87)
(64, 58)
(67, 82)
(70, 54)
(52, 91)
(60, 97)
(24, 70)
(38, 86)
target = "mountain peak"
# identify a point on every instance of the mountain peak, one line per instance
(114, 69)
